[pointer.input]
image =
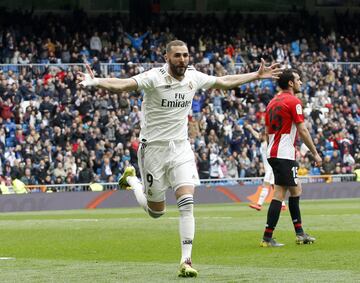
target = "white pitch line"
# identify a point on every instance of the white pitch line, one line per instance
(82, 220)
(204, 217)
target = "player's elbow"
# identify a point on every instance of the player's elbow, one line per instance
(222, 83)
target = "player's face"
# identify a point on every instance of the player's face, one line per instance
(178, 60)
(297, 83)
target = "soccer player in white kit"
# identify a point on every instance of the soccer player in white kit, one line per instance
(165, 158)
(269, 175)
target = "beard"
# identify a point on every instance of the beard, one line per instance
(178, 70)
(297, 89)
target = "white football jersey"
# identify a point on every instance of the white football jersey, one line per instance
(167, 102)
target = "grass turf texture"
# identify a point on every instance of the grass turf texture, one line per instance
(124, 245)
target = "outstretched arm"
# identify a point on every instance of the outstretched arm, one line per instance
(144, 35)
(129, 36)
(231, 81)
(113, 84)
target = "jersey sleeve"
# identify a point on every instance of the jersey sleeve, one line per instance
(145, 80)
(203, 81)
(296, 111)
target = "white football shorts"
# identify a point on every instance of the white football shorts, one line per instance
(164, 165)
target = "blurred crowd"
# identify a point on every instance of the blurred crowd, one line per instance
(116, 38)
(52, 131)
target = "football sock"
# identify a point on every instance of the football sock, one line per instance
(272, 219)
(138, 191)
(295, 214)
(185, 204)
(263, 194)
(283, 203)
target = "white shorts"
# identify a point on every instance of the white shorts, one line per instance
(269, 175)
(165, 165)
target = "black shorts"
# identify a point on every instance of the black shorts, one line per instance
(285, 171)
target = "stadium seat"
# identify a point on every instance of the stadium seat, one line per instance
(328, 145)
(267, 83)
(117, 68)
(25, 128)
(10, 142)
(14, 68)
(314, 171)
(328, 152)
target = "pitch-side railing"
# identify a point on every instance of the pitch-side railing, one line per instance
(204, 182)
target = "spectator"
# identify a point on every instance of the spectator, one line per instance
(95, 44)
(232, 167)
(204, 166)
(136, 40)
(328, 166)
(215, 166)
(86, 175)
(59, 171)
(28, 179)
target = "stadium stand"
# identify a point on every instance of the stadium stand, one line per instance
(54, 132)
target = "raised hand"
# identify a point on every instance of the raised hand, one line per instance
(88, 79)
(271, 72)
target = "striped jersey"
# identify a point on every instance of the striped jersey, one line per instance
(282, 114)
(167, 102)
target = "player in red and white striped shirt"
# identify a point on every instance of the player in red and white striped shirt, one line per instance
(284, 121)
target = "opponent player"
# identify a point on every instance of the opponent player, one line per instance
(165, 156)
(269, 175)
(284, 121)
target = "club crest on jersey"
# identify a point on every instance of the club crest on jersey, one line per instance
(168, 80)
(190, 85)
(298, 109)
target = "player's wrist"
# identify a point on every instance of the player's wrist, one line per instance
(96, 81)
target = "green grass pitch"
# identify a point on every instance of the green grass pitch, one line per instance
(124, 245)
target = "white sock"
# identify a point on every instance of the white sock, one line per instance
(186, 225)
(137, 187)
(263, 195)
(283, 203)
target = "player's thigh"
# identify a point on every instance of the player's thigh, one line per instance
(285, 172)
(183, 171)
(152, 170)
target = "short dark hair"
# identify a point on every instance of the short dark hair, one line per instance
(287, 76)
(174, 43)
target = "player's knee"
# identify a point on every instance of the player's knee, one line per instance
(186, 204)
(155, 213)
